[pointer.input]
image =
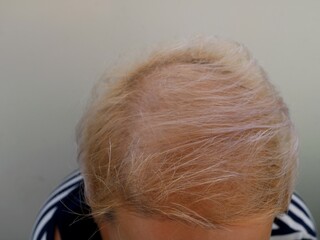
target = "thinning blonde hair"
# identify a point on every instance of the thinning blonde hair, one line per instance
(195, 133)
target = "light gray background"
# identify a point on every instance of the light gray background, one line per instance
(51, 53)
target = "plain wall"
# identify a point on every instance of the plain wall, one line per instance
(51, 53)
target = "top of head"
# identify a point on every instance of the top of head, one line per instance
(195, 133)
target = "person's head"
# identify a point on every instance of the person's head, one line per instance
(195, 136)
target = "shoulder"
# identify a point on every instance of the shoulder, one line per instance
(296, 224)
(63, 209)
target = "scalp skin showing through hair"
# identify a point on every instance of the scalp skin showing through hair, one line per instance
(195, 133)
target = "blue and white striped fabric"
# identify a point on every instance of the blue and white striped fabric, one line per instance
(67, 201)
(296, 224)
(46, 221)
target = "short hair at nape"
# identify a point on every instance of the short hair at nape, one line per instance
(195, 132)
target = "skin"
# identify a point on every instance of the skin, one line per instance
(57, 234)
(127, 226)
(132, 227)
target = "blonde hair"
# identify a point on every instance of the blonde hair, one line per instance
(195, 133)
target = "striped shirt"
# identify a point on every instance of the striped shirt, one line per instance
(66, 209)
